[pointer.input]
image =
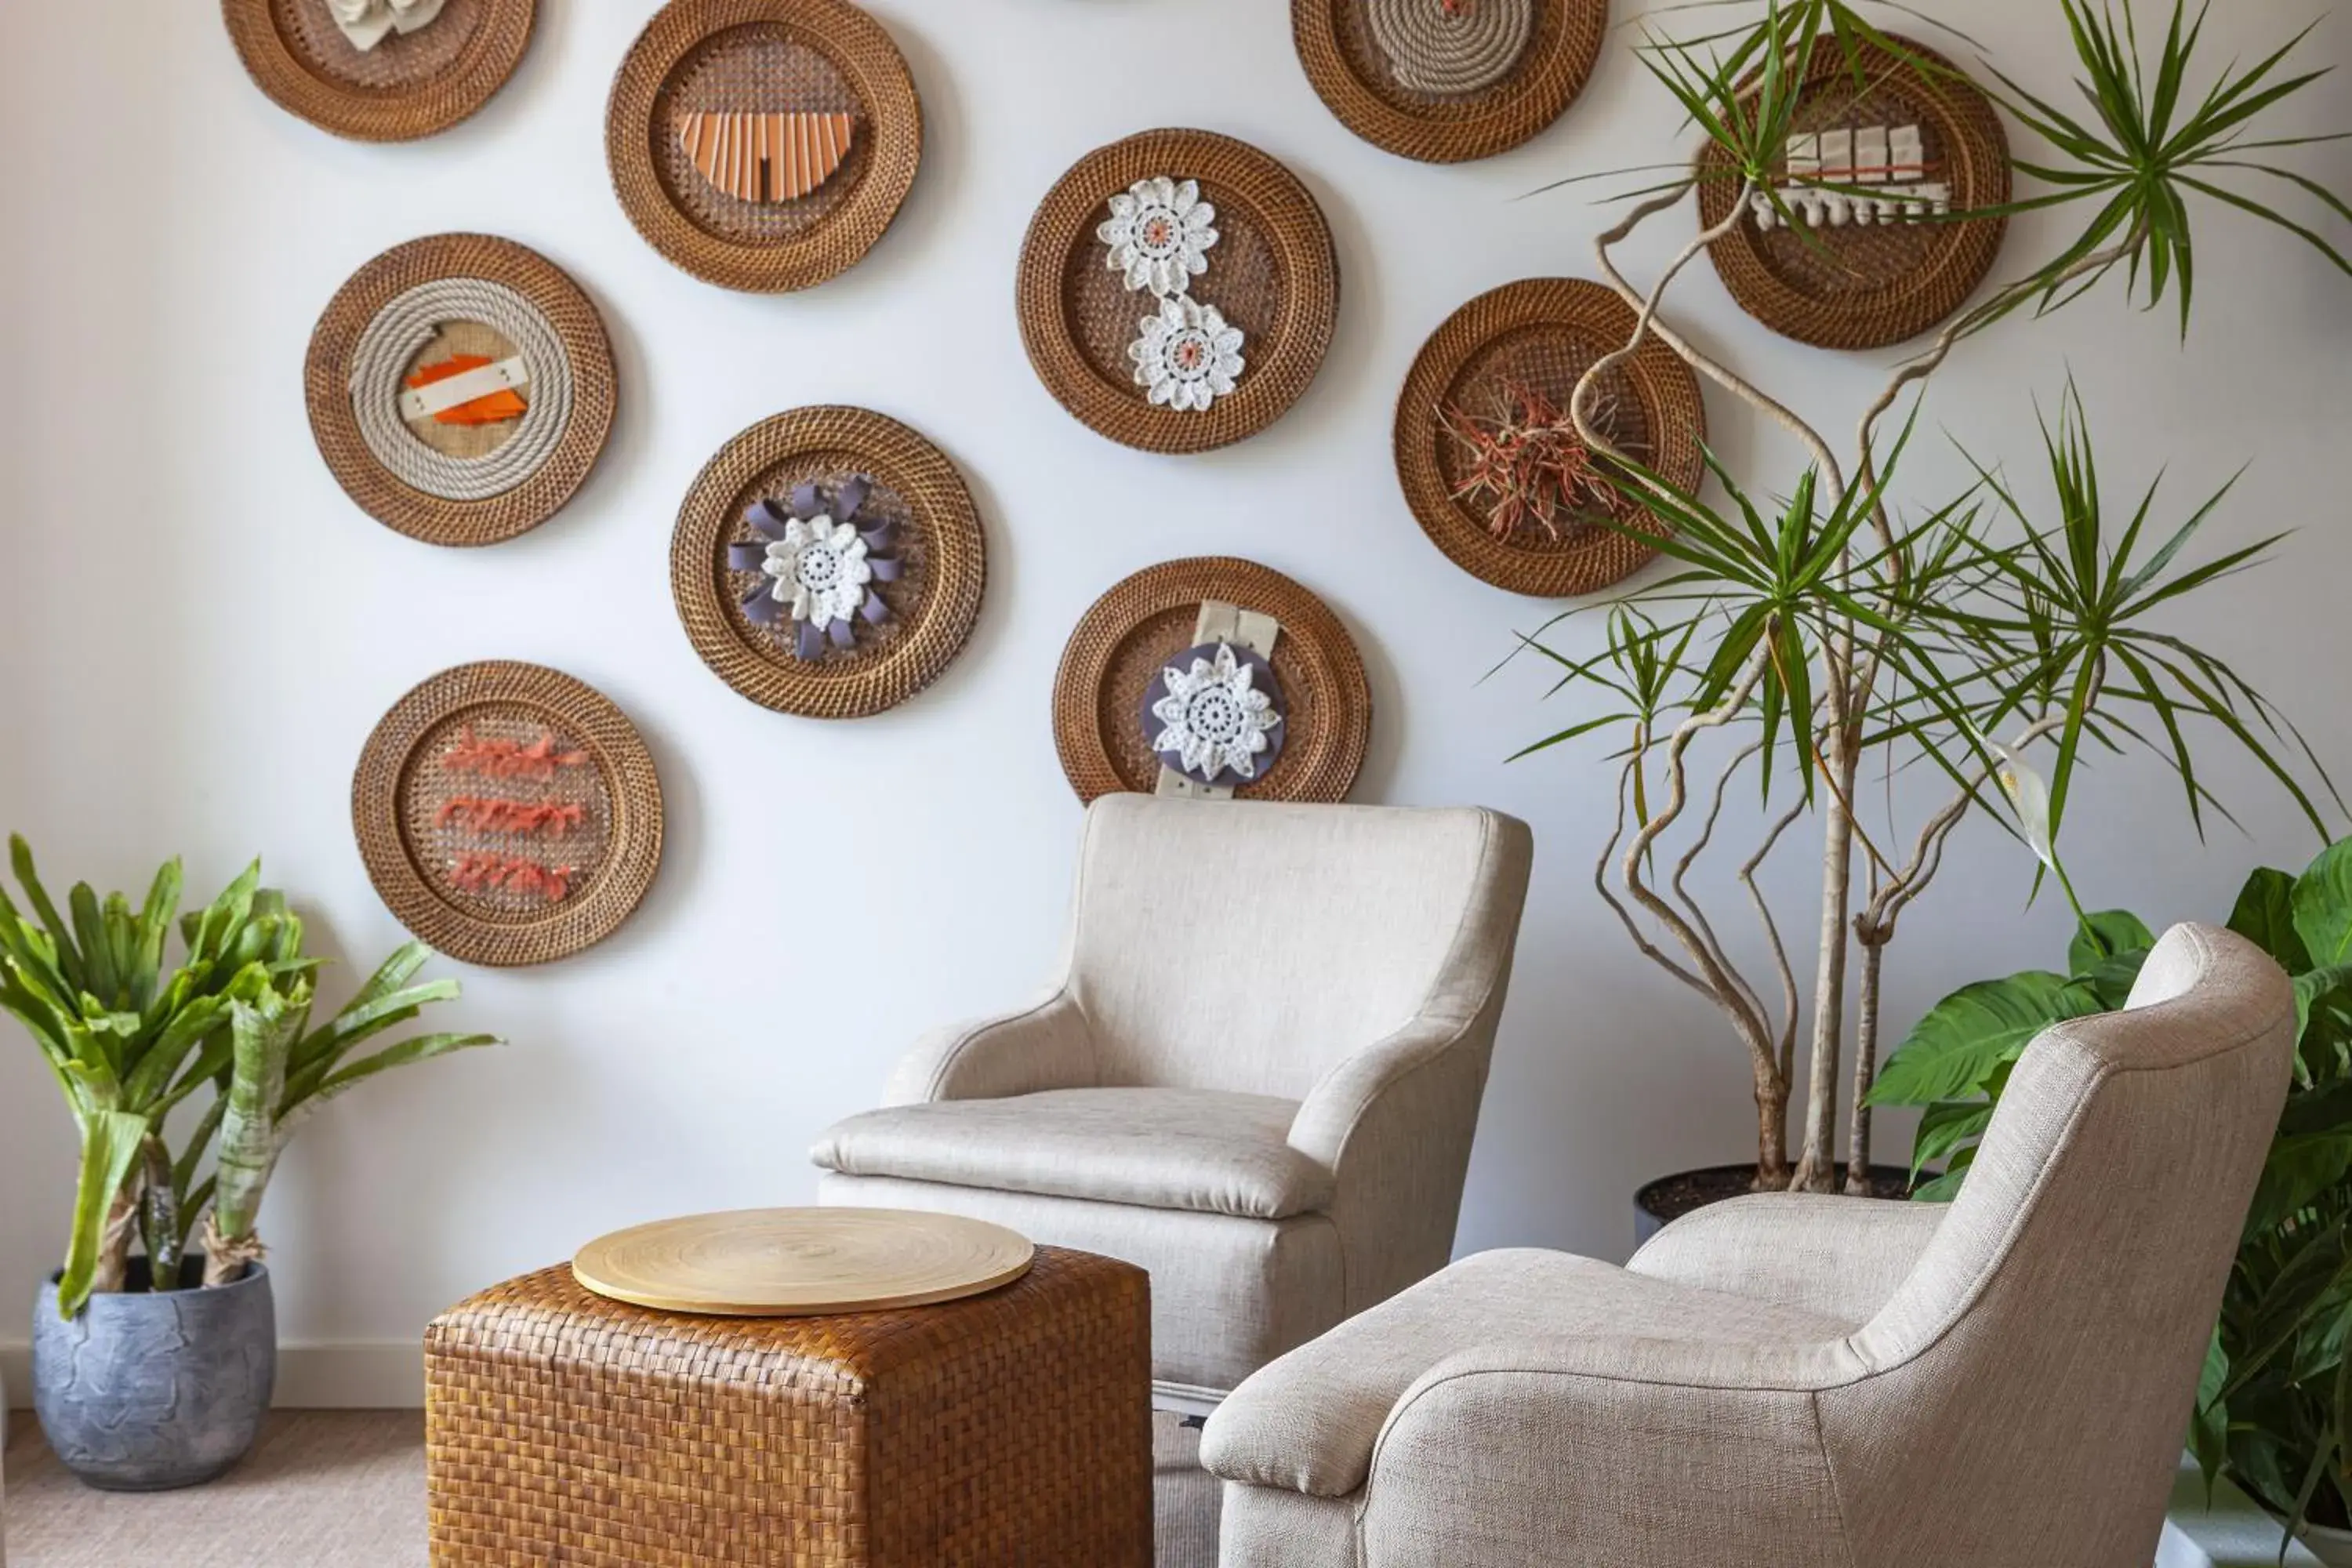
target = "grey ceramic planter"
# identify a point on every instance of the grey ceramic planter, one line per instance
(143, 1392)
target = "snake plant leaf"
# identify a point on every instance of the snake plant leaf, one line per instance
(154, 927)
(419, 1048)
(264, 1024)
(99, 975)
(394, 972)
(110, 1145)
(67, 960)
(365, 1017)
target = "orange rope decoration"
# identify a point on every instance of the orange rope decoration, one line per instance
(492, 813)
(1528, 465)
(480, 870)
(509, 759)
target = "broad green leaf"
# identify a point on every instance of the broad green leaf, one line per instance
(1953, 1051)
(2265, 917)
(2321, 905)
(2107, 934)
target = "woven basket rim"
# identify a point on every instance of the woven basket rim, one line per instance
(432, 105)
(1665, 384)
(1973, 136)
(860, 49)
(1319, 764)
(378, 813)
(902, 460)
(1536, 94)
(1281, 208)
(326, 377)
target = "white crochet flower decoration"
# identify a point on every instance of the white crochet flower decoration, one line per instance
(1160, 234)
(1188, 357)
(820, 569)
(1216, 717)
(366, 22)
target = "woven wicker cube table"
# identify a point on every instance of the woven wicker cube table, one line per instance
(1008, 1428)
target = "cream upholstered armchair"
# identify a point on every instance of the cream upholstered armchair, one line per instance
(1258, 1078)
(1802, 1382)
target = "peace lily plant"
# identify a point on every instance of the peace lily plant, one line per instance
(130, 1043)
(1817, 645)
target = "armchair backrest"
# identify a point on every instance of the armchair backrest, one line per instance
(1250, 945)
(2037, 1369)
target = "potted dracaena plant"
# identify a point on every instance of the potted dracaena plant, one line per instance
(2273, 1409)
(1834, 639)
(151, 1367)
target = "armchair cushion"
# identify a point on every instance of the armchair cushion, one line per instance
(1308, 1422)
(1151, 1148)
(1845, 1257)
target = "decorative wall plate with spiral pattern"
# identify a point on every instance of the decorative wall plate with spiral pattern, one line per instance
(508, 814)
(460, 388)
(1448, 81)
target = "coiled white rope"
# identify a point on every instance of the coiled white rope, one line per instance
(391, 343)
(1451, 45)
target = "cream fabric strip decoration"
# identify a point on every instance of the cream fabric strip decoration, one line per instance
(440, 397)
(366, 23)
(1221, 622)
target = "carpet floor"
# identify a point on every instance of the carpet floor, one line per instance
(348, 1487)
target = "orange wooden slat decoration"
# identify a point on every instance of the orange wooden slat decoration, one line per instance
(770, 157)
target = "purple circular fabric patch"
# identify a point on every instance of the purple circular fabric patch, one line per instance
(1215, 716)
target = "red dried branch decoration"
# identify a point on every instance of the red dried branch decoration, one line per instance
(491, 814)
(1528, 463)
(509, 759)
(481, 870)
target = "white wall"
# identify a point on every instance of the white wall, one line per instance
(198, 629)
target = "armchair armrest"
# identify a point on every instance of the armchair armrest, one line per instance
(1840, 1256)
(1636, 1452)
(1045, 1047)
(1342, 1101)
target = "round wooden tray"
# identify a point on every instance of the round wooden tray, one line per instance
(409, 85)
(1273, 273)
(1544, 332)
(801, 1263)
(508, 814)
(1127, 639)
(1470, 97)
(564, 318)
(932, 602)
(1870, 287)
(763, 58)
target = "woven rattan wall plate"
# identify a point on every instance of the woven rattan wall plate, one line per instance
(403, 342)
(411, 82)
(1271, 274)
(764, 145)
(1540, 334)
(1443, 82)
(828, 563)
(1134, 632)
(508, 814)
(1864, 276)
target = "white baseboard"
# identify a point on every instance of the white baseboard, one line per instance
(386, 1375)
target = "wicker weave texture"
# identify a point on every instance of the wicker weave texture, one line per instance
(398, 790)
(770, 57)
(1544, 332)
(1131, 634)
(1868, 287)
(335, 424)
(1356, 82)
(933, 605)
(1275, 273)
(1009, 1428)
(405, 88)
